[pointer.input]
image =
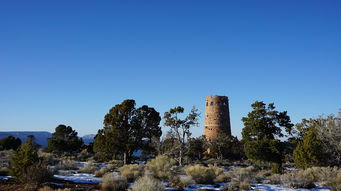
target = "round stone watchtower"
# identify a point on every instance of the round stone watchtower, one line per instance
(217, 116)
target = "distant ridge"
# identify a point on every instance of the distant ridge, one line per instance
(40, 136)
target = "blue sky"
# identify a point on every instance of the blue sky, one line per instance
(69, 62)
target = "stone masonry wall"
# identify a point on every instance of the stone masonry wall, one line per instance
(217, 116)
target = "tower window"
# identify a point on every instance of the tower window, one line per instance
(211, 102)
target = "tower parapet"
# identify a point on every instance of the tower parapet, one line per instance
(217, 116)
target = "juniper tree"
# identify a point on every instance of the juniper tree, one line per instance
(263, 127)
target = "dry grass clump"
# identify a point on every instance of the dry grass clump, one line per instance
(261, 175)
(111, 182)
(89, 167)
(336, 183)
(161, 167)
(306, 178)
(46, 188)
(67, 164)
(275, 179)
(242, 178)
(298, 179)
(201, 174)
(185, 181)
(131, 171)
(147, 183)
(104, 170)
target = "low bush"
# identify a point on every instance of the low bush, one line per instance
(111, 182)
(131, 171)
(147, 183)
(161, 167)
(4, 171)
(185, 181)
(89, 167)
(336, 183)
(46, 188)
(298, 179)
(104, 170)
(201, 174)
(241, 178)
(67, 164)
(275, 179)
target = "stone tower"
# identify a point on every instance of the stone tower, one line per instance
(217, 116)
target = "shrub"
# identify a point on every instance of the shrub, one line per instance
(275, 179)
(298, 179)
(27, 167)
(223, 177)
(89, 167)
(4, 171)
(306, 178)
(104, 170)
(111, 182)
(131, 171)
(185, 181)
(261, 175)
(67, 164)
(336, 183)
(45, 188)
(147, 183)
(243, 174)
(161, 167)
(201, 174)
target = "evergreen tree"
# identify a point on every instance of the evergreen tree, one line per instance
(127, 129)
(64, 139)
(225, 146)
(9, 142)
(262, 130)
(196, 148)
(26, 165)
(309, 151)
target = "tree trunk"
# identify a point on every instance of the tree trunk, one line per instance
(180, 157)
(125, 158)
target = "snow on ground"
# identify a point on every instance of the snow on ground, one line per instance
(278, 187)
(80, 178)
(6, 177)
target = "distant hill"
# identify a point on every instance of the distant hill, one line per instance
(40, 136)
(88, 138)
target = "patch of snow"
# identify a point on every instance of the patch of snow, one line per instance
(278, 187)
(80, 178)
(6, 177)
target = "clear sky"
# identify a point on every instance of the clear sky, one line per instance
(69, 62)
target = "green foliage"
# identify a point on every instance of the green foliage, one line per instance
(127, 129)
(309, 151)
(9, 142)
(161, 167)
(261, 132)
(148, 183)
(180, 128)
(131, 171)
(196, 148)
(111, 182)
(64, 139)
(27, 167)
(225, 146)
